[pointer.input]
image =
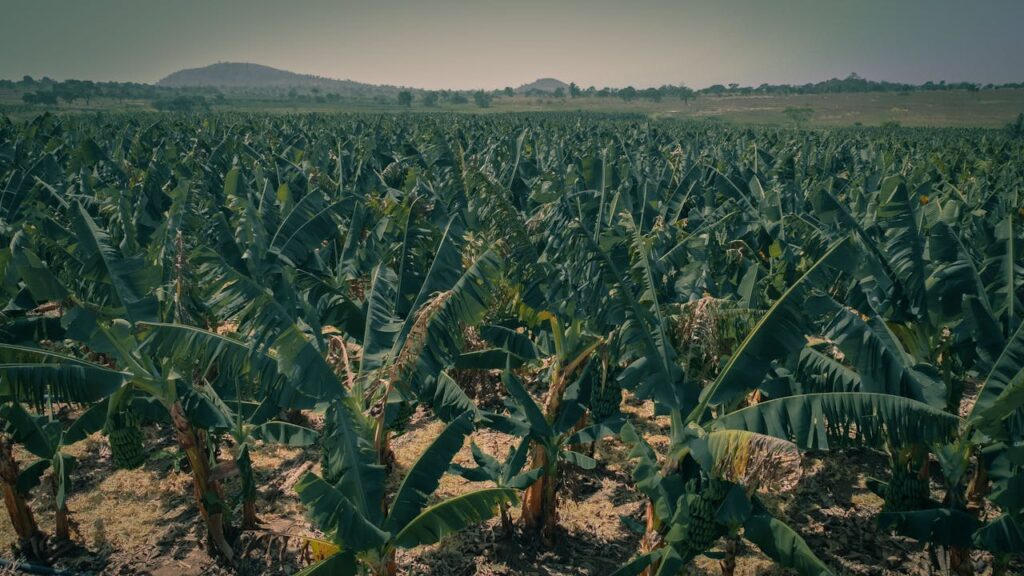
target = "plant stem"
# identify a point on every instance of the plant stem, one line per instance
(31, 540)
(207, 490)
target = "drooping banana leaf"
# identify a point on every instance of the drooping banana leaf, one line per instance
(423, 478)
(904, 245)
(43, 284)
(353, 459)
(1004, 535)
(311, 221)
(782, 544)
(132, 280)
(285, 434)
(337, 516)
(779, 333)
(452, 515)
(816, 372)
(820, 421)
(1002, 393)
(465, 304)
(341, 564)
(381, 325)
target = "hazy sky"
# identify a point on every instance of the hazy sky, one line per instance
(491, 44)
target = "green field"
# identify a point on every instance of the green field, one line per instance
(537, 343)
(949, 108)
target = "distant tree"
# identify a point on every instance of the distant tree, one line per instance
(405, 98)
(482, 99)
(66, 93)
(459, 98)
(430, 99)
(627, 94)
(685, 93)
(574, 90)
(799, 116)
(559, 92)
(653, 94)
(509, 91)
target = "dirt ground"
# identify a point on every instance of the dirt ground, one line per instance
(144, 521)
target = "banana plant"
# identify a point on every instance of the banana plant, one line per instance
(554, 433)
(989, 436)
(250, 422)
(46, 439)
(777, 334)
(101, 318)
(236, 372)
(507, 473)
(31, 539)
(989, 441)
(710, 493)
(41, 378)
(244, 433)
(294, 368)
(349, 512)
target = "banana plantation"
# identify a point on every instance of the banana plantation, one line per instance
(464, 325)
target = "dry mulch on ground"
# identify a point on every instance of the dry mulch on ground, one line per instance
(144, 521)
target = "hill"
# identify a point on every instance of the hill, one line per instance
(243, 76)
(543, 85)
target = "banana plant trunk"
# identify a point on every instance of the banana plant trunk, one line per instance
(506, 522)
(250, 521)
(388, 566)
(31, 540)
(208, 492)
(540, 501)
(62, 524)
(960, 558)
(732, 547)
(651, 540)
(960, 561)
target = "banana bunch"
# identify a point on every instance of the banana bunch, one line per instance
(700, 528)
(605, 399)
(906, 491)
(126, 440)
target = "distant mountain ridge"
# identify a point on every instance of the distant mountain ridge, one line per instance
(248, 76)
(543, 85)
